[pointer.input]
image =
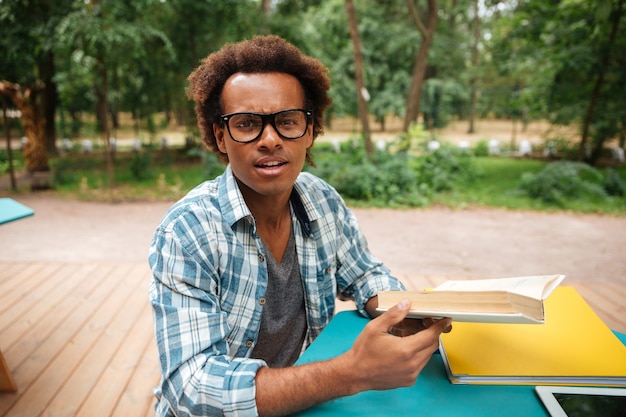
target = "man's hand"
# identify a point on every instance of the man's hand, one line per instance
(384, 361)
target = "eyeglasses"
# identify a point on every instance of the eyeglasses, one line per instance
(247, 127)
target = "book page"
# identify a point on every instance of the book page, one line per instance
(537, 287)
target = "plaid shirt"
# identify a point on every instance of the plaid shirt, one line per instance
(210, 277)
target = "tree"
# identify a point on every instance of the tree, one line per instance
(107, 33)
(605, 59)
(194, 28)
(27, 62)
(567, 58)
(26, 101)
(427, 30)
(475, 60)
(362, 94)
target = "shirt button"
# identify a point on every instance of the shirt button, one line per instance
(329, 270)
(249, 343)
(262, 301)
(261, 257)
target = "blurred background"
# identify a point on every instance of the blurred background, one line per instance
(427, 95)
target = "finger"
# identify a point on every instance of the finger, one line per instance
(443, 325)
(427, 322)
(433, 331)
(393, 316)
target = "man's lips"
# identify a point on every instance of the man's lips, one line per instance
(270, 163)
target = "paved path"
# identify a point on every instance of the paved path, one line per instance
(433, 242)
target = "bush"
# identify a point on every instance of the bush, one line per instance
(481, 148)
(64, 172)
(386, 179)
(561, 181)
(140, 166)
(4, 161)
(613, 184)
(442, 169)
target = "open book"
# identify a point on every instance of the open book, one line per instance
(499, 300)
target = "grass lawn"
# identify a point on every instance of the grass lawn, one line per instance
(499, 178)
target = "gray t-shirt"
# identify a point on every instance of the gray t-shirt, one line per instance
(283, 323)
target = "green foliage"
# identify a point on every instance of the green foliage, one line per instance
(415, 137)
(481, 148)
(562, 59)
(446, 167)
(211, 165)
(387, 181)
(63, 172)
(562, 148)
(441, 100)
(449, 177)
(4, 161)
(561, 181)
(392, 179)
(613, 184)
(140, 166)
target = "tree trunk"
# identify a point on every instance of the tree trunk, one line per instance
(35, 152)
(7, 131)
(421, 61)
(595, 94)
(102, 112)
(49, 100)
(474, 81)
(362, 95)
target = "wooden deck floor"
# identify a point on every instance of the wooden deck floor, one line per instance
(78, 337)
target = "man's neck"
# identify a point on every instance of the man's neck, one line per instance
(272, 215)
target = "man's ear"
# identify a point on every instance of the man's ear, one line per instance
(218, 131)
(309, 136)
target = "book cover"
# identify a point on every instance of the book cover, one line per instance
(573, 347)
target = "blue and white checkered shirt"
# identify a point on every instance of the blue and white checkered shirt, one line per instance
(210, 276)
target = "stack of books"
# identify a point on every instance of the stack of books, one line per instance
(523, 330)
(573, 347)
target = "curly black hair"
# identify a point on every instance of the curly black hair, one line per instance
(261, 54)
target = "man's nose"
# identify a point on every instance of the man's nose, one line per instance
(269, 136)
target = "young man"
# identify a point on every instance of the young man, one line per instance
(247, 266)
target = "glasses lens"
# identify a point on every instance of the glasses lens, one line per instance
(245, 127)
(290, 124)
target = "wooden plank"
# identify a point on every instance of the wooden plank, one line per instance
(59, 312)
(105, 395)
(33, 307)
(94, 364)
(137, 399)
(10, 270)
(45, 371)
(604, 301)
(20, 283)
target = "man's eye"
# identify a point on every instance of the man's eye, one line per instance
(246, 123)
(288, 122)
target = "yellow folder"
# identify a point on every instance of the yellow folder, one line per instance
(573, 347)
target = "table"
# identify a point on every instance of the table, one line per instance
(432, 395)
(11, 210)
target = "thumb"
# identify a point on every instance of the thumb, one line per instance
(394, 315)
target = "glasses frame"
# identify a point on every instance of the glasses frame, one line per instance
(265, 118)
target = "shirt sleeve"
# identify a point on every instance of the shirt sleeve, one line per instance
(360, 275)
(199, 378)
